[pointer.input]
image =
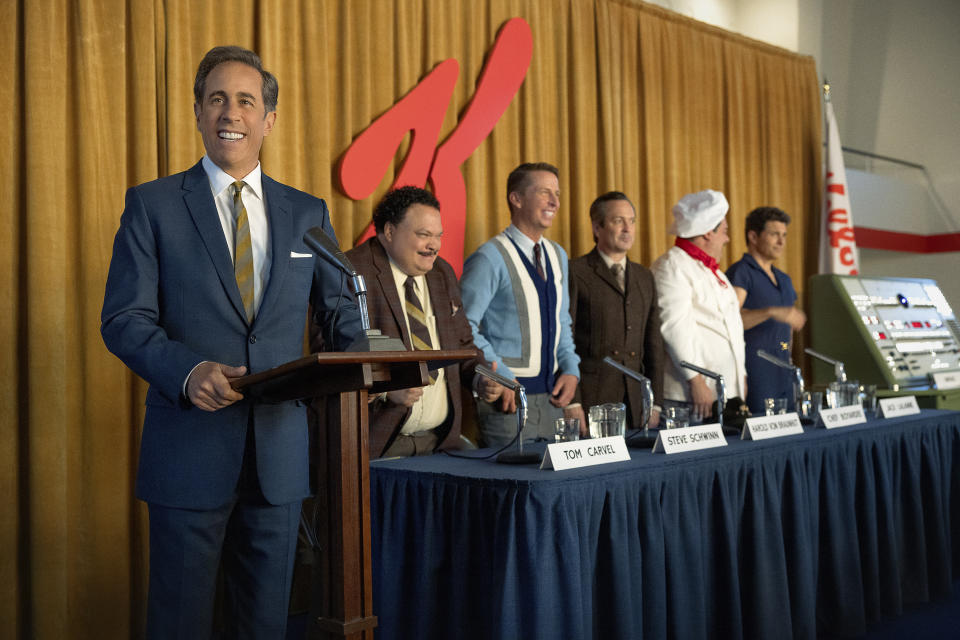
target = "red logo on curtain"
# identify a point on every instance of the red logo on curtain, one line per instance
(421, 112)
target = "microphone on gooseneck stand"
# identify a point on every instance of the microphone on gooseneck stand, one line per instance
(641, 438)
(518, 456)
(798, 385)
(325, 247)
(721, 389)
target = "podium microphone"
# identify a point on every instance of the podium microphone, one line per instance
(518, 456)
(325, 247)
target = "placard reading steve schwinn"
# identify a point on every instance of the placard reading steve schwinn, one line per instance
(705, 436)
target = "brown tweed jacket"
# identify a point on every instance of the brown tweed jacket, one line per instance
(386, 314)
(624, 326)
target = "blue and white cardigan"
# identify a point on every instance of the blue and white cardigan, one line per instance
(502, 305)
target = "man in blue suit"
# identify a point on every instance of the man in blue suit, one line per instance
(210, 279)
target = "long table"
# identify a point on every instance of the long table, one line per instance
(822, 532)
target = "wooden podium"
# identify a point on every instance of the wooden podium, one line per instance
(341, 589)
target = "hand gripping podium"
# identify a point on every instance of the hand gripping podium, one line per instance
(341, 592)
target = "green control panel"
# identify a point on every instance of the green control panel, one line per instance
(892, 332)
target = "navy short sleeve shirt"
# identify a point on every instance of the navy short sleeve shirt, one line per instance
(765, 380)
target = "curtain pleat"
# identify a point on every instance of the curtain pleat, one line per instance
(619, 95)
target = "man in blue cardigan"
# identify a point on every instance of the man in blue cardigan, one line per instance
(516, 295)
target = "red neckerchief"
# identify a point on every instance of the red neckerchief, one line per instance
(699, 254)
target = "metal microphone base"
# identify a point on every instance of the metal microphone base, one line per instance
(519, 457)
(376, 341)
(641, 439)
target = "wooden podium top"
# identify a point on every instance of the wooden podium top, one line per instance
(326, 373)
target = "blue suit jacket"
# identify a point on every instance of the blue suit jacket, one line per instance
(172, 301)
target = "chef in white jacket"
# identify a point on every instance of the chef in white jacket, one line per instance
(699, 310)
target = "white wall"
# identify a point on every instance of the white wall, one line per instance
(895, 88)
(895, 91)
(773, 21)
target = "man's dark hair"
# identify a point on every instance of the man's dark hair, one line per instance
(219, 55)
(758, 218)
(394, 205)
(517, 180)
(597, 209)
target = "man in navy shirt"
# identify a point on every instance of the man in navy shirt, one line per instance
(767, 308)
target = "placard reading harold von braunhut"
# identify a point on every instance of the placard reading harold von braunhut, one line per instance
(763, 427)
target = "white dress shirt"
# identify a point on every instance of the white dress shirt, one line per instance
(221, 184)
(432, 408)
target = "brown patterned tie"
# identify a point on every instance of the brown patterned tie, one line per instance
(419, 333)
(538, 258)
(243, 252)
(618, 274)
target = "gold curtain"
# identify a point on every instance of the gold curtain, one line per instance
(619, 95)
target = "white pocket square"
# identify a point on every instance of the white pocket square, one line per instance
(294, 254)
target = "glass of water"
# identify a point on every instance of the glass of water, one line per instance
(810, 403)
(567, 430)
(774, 406)
(608, 419)
(676, 417)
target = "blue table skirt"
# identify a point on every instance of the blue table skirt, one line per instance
(820, 532)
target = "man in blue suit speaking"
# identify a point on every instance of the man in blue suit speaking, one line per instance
(210, 279)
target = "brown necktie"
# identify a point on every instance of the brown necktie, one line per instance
(538, 258)
(419, 333)
(243, 252)
(618, 274)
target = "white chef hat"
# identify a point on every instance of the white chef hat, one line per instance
(697, 213)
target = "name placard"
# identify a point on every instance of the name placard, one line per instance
(585, 453)
(896, 407)
(842, 416)
(946, 380)
(705, 436)
(763, 427)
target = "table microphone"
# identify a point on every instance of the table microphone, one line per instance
(637, 439)
(721, 387)
(518, 456)
(798, 385)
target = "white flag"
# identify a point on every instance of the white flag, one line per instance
(838, 245)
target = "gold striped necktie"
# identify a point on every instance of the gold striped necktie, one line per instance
(243, 251)
(419, 333)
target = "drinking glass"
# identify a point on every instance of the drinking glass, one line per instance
(608, 419)
(774, 406)
(810, 403)
(868, 398)
(567, 430)
(676, 417)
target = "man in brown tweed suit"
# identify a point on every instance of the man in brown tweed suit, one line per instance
(399, 262)
(613, 305)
